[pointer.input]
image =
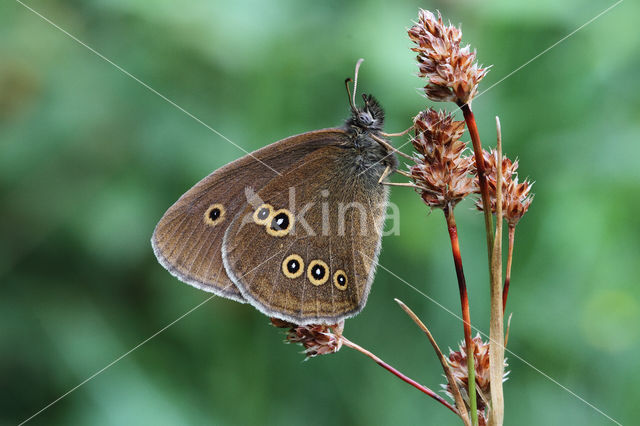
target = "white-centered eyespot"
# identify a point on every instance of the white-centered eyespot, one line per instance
(292, 266)
(262, 214)
(280, 223)
(214, 214)
(318, 272)
(340, 280)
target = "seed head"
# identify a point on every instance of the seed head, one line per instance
(452, 73)
(458, 364)
(516, 196)
(317, 339)
(442, 172)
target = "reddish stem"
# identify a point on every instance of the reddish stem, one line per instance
(480, 171)
(398, 374)
(464, 301)
(507, 279)
(462, 284)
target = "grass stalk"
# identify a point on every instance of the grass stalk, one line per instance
(496, 325)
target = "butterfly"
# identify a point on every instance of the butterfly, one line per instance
(293, 228)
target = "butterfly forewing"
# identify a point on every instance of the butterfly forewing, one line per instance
(188, 239)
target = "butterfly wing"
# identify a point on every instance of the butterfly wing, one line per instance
(188, 239)
(313, 259)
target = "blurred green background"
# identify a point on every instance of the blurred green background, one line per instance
(90, 160)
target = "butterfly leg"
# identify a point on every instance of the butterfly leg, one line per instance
(391, 135)
(389, 147)
(408, 185)
(386, 173)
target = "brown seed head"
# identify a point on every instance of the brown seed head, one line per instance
(452, 73)
(458, 363)
(516, 196)
(442, 172)
(317, 339)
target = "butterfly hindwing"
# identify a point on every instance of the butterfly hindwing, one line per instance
(318, 267)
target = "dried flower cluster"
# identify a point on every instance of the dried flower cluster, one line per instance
(317, 339)
(516, 196)
(458, 364)
(442, 173)
(451, 70)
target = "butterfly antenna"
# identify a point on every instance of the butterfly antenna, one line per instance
(351, 98)
(355, 81)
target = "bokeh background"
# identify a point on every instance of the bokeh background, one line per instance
(90, 160)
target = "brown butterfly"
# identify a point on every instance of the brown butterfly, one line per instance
(293, 228)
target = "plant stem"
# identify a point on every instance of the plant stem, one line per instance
(398, 374)
(466, 316)
(507, 279)
(496, 324)
(455, 390)
(470, 119)
(506, 334)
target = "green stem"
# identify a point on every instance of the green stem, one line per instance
(466, 316)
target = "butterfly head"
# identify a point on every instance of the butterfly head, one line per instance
(375, 155)
(370, 116)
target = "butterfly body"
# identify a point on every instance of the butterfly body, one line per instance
(293, 228)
